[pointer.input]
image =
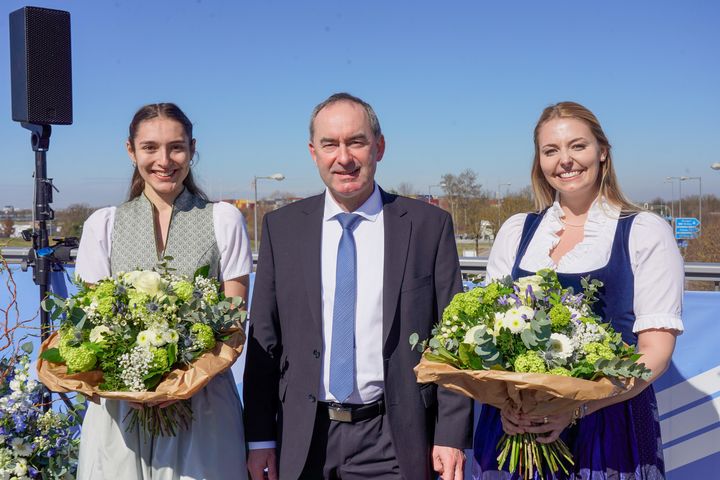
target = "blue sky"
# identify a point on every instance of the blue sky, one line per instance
(456, 84)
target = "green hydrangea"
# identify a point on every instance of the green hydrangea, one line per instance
(204, 336)
(562, 371)
(137, 301)
(490, 293)
(68, 336)
(463, 307)
(559, 317)
(79, 359)
(104, 290)
(105, 306)
(595, 351)
(529, 362)
(184, 290)
(160, 359)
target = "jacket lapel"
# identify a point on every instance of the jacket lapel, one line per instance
(310, 245)
(397, 227)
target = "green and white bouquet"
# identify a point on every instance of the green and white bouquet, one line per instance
(530, 345)
(145, 336)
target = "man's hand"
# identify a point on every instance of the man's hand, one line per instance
(261, 459)
(448, 462)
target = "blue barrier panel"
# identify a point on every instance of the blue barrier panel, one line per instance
(689, 393)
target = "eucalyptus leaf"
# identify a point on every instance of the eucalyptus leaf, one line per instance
(52, 355)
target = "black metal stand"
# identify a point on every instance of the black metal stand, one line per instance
(41, 257)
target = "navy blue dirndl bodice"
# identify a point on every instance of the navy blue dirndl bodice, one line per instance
(617, 276)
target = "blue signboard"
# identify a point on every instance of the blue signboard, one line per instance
(687, 227)
(687, 222)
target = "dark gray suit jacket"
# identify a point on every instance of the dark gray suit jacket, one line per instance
(282, 373)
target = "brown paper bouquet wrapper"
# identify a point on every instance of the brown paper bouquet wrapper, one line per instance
(534, 393)
(179, 384)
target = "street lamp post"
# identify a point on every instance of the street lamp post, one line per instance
(699, 179)
(679, 179)
(275, 176)
(672, 198)
(500, 185)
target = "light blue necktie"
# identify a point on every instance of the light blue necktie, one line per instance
(342, 352)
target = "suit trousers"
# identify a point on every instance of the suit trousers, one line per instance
(351, 451)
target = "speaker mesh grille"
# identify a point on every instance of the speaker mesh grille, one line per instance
(49, 66)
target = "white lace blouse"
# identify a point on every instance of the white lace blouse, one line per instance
(655, 260)
(93, 258)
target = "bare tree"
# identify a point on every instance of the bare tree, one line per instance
(462, 190)
(71, 219)
(406, 189)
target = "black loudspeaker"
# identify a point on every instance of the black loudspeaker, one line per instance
(41, 67)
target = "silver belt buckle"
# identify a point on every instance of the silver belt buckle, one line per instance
(339, 414)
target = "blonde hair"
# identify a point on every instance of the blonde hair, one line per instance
(609, 187)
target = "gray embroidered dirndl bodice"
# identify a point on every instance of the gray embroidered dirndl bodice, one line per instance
(190, 239)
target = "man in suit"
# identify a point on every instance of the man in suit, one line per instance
(344, 278)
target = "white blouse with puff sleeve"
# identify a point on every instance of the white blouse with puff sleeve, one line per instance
(93, 258)
(655, 260)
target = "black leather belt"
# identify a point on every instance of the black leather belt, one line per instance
(350, 413)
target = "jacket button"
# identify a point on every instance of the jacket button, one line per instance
(316, 354)
(311, 398)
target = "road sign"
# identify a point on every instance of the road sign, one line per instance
(679, 229)
(680, 235)
(687, 222)
(682, 243)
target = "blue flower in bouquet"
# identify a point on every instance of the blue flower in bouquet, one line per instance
(27, 434)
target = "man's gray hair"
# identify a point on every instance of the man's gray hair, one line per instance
(346, 97)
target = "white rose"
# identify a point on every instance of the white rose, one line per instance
(560, 346)
(532, 281)
(146, 281)
(97, 334)
(470, 334)
(15, 385)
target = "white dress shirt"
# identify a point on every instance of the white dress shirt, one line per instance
(654, 257)
(370, 250)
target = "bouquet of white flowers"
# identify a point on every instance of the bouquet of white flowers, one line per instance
(144, 336)
(530, 345)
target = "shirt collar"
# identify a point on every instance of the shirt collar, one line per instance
(370, 210)
(600, 210)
